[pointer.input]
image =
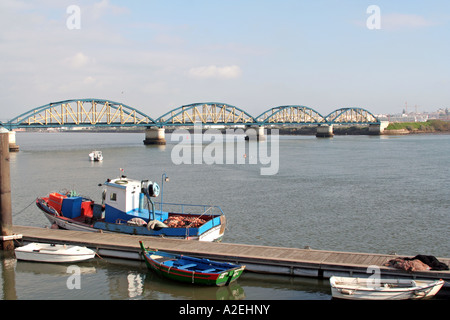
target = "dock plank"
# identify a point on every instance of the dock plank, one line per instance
(257, 258)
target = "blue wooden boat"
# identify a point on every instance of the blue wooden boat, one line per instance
(190, 269)
(128, 207)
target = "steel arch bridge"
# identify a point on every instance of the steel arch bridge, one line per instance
(351, 116)
(106, 113)
(211, 113)
(290, 115)
(82, 113)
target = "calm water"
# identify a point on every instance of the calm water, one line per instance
(349, 193)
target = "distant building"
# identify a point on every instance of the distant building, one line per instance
(442, 114)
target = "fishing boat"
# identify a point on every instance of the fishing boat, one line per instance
(96, 155)
(190, 269)
(46, 252)
(383, 289)
(127, 207)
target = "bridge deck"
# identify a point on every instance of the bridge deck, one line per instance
(266, 259)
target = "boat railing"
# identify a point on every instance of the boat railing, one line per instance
(190, 208)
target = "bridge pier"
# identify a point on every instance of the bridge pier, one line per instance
(324, 131)
(377, 129)
(260, 136)
(13, 147)
(155, 136)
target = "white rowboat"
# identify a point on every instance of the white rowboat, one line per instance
(44, 252)
(383, 289)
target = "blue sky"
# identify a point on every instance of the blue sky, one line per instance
(159, 55)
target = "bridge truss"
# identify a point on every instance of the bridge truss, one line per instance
(290, 115)
(99, 112)
(206, 113)
(351, 116)
(81, 112)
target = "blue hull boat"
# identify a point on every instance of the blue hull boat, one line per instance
(127, 207)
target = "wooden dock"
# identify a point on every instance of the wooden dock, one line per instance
(262, 259)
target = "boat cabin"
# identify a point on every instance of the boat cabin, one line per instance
(125, 199)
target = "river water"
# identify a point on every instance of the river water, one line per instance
(377, 194)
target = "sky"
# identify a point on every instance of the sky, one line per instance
(254, 54)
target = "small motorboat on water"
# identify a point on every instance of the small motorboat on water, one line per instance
(127, 207)
(96, 155)
(45, 252)
(190, 269)
(353, 288)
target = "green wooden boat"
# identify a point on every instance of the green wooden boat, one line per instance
(190, 269)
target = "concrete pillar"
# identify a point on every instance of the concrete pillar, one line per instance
(374, 129)
(260, 136)
(377, 129)
(260, 133)
(324, 131)
(155, 136)
(13, 147)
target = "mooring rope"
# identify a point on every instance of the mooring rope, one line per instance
(21, 211)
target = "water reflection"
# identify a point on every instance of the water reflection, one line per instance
(40, 268)
(8, 263)
(156, 287)
(100, 279)
(283, 287)
(135, 285)
(114, 279)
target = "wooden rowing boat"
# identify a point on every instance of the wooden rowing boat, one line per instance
(190, 269)
(383, 289)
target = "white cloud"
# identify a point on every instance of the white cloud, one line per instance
(89, 80)
(77, 61)
(393, 21)
(400, 21)
(104, 7)
(226, 72)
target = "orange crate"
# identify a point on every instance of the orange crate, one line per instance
(55, 200)
(86, 209)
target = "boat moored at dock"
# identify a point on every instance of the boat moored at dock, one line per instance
(128, 207)
(56, 253)
(190, 269)
(354, 288)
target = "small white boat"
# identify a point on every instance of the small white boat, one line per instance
(385, 289)
(96, 156)
(44, 252)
